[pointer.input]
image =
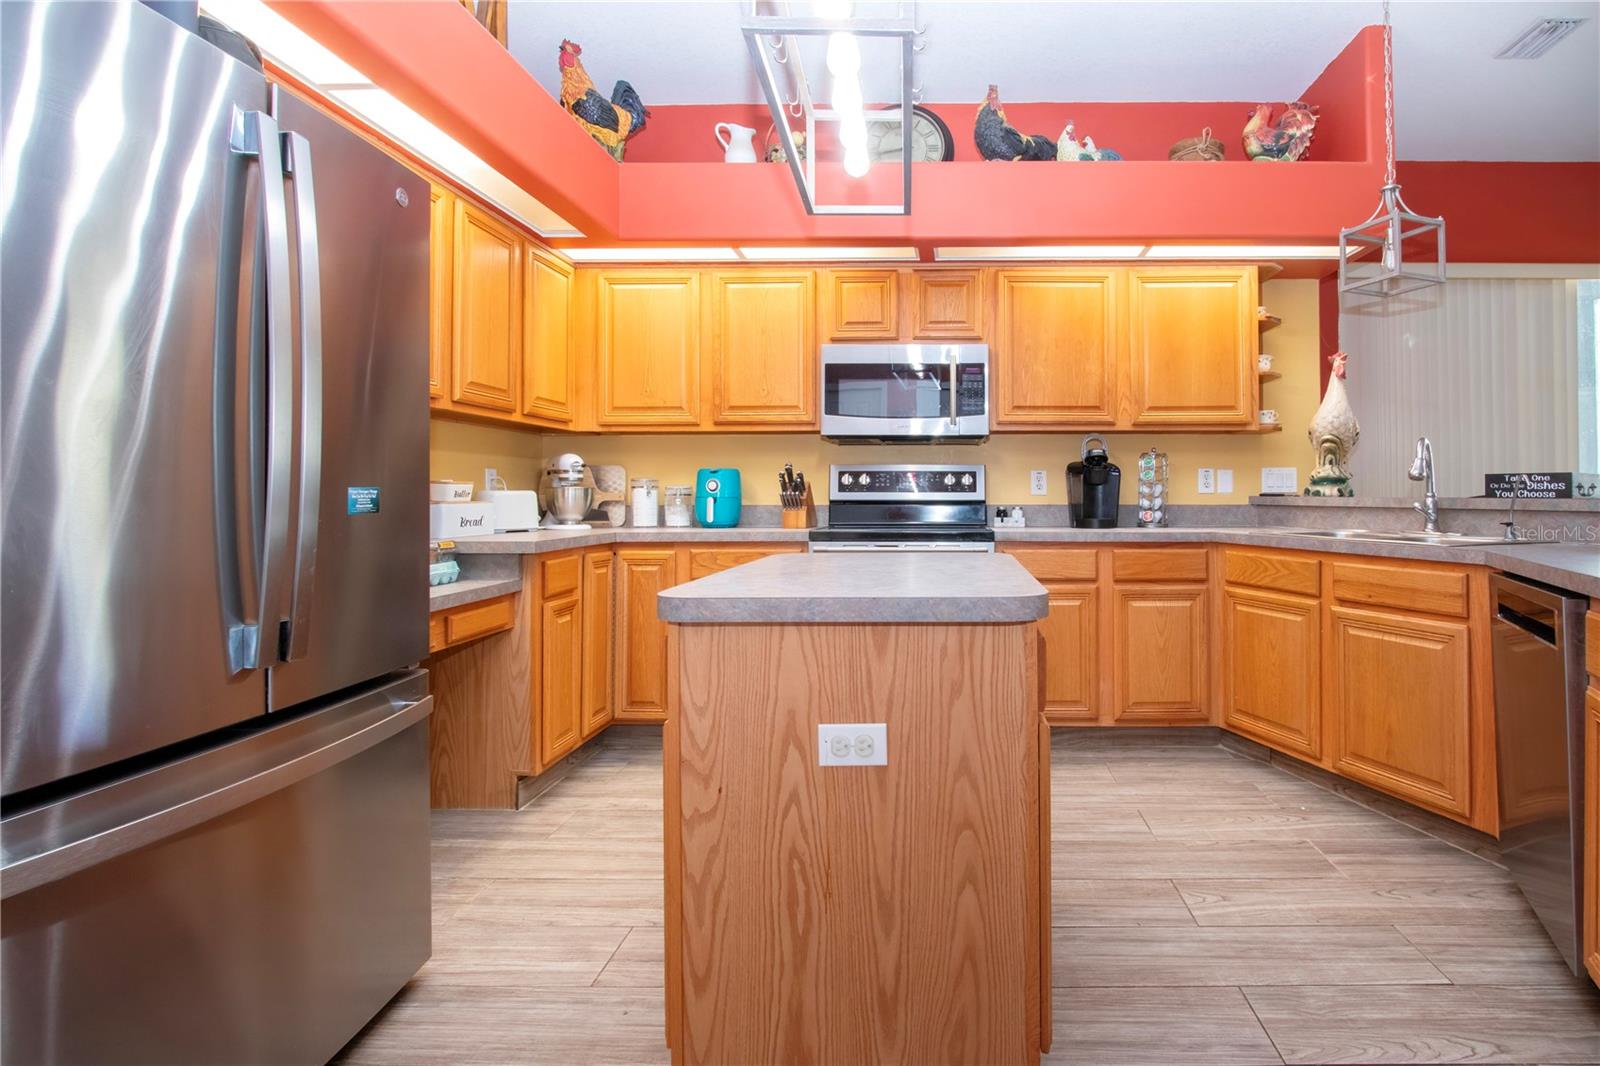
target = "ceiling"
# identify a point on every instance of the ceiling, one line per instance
(1453, 100)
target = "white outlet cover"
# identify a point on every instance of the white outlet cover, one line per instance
(853, 744)
(489, 474)
(1224, 480)
(1207, 481)
(1039, 485)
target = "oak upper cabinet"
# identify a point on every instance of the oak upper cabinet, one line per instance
(647, 347)
(547, 376)
(559, 641)
(762, 333)
(596, 712)
(947, 305)
(1272, 646)
(1160, 654)
(1399, 693)
(640, 694)
(441, 232)
(1192, 346)
(862, 305)
(486, 310)
(1057, 339)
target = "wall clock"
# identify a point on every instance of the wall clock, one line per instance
(930, 139)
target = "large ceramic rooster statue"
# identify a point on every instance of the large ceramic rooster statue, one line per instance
(1333, 433)
(611, 122)
(996, 139)
(1289, 140)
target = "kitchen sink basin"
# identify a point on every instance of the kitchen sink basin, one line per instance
(1457, 540)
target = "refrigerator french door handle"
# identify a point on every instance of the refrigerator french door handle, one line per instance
(297, 164)
(255, 134)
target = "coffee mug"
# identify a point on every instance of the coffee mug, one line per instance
(1263, 362)
(1269, 416)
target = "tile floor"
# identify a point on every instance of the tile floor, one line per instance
(1209, 908)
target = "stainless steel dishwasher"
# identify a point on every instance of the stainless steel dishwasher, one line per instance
(1538, 700)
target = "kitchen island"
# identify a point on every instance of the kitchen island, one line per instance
(891, 906)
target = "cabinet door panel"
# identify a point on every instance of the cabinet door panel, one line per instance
(1400, 697)
(597, 623)
(947, 305)
(547, 337)
(703, 562)
(1272, 687)
(1192, 346)
(1160, 654)
(1591, 832)
(764, 351)
(486, 311)
(560, 680)
(1058, 335)
(641, 649)
(647, 344)
(1071, 654)
(441, 226)
(863, 305)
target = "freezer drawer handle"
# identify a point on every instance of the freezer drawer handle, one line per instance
(296, 632)
(255, 134)
(32, 871)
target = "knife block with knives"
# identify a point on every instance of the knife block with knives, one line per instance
(794, 493)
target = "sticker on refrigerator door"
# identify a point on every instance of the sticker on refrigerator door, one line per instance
(361, 499)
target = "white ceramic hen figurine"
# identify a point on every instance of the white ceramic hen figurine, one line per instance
(1333, 433)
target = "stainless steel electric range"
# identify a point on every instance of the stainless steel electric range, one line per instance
(906, 507)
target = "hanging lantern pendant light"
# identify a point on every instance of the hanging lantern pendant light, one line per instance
(1372, 255)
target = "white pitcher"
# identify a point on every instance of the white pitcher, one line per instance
(738, 142)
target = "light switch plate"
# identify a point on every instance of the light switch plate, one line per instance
(1279, 481)
(1224, 480)
(1207, 481)
(1038, 485)
(853, 744)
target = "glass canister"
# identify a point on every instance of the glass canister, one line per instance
(645, 499)
(1153, 470)
(680, 505)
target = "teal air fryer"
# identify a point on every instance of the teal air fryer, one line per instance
(716, 498)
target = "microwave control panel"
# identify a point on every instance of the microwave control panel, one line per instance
(971, 393)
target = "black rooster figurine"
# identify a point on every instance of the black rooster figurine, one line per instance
(997, 139)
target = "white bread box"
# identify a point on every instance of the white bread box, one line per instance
(454, 521)
(515, 510)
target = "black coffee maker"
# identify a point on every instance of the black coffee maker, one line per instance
(1094, 487)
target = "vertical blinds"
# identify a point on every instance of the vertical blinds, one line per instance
(1486, 368)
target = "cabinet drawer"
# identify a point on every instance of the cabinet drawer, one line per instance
(1272, 570)
(1408, 588)
(1591, 646)
(703, 562)
(560, 575)
(1158, 564)
(1058, 564)
(477, 620)
(435, 632)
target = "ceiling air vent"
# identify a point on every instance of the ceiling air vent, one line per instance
(1539, 38)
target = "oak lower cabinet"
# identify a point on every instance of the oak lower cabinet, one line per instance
(761, 328)
(1070, 635)
(597, 712)
(1272, 650)
(1400, 700)
(559, 673)
(1591, 801)
(485, 310)
(1192, 341)
(640, 693)
(1159, 651)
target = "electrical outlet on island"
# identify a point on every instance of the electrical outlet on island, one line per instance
(1208, 481)
(1038, 485)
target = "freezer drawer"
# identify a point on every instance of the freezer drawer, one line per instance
(256, 903)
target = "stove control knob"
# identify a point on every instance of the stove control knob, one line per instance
(966, 479)
(846, 479)
(866, 480)
(949, 479)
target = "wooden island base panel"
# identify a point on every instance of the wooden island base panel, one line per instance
(856, 914)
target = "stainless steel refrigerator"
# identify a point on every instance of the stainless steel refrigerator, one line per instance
(213, 323)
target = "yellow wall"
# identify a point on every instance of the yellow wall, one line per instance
(673, 458)
(458, 451)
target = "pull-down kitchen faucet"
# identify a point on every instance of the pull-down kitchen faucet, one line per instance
(1422, 470)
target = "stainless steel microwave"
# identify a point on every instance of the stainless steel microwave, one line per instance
(905, 392)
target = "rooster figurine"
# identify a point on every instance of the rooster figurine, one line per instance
(996, 139)
(1070, 151)
(1289, 140)
(611, 122)
(1333, 433)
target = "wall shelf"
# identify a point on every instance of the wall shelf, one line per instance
(1268, 375)
(1267, 322)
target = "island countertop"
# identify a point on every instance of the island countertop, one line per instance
(863, 588)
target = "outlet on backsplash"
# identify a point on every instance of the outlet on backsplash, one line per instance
(1038, 485)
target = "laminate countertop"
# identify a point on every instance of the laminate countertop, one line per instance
(868, 587)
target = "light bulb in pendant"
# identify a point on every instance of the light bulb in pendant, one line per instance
(857, 162)
(853, 132)
(844, 55)
(846, 98)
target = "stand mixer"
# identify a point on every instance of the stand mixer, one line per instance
(567, 491)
